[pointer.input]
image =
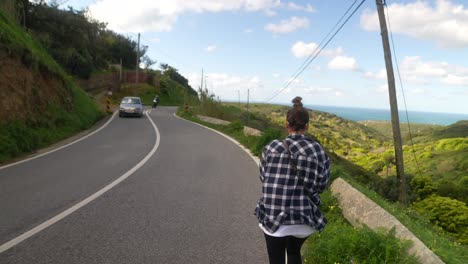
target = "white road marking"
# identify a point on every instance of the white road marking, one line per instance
(256, 159)
(74, 208)
(64, 146)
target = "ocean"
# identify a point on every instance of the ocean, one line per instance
(361, 114)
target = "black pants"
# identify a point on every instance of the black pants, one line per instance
(277, 246)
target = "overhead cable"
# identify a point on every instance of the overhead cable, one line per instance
(402, 91)
(317, 50)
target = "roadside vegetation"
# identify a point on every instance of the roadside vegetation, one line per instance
(48, 106)
(438, 220)
(171, 88)
(65, 111)
(435, 166)
(45, 50)
(340, 242)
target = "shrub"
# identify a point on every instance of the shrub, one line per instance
(387, 187)
(447, 213)
(235, 126)
(377, 166)
(342, 243)
(267, 136)
(447, 188)
(453, 144)
(426, 155)
(423, 186)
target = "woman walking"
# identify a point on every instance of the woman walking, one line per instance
(293, 173)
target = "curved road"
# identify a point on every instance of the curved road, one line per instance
(191, 202)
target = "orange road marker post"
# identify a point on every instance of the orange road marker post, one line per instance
(109, 94)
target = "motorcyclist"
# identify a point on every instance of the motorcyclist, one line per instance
(155, 101)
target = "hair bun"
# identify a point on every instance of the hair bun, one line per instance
(297, 101)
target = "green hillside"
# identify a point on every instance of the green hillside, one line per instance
(439, 153)
(43, 50)
(436, 166)
(366, 162)
(459, 129)
(39, 103)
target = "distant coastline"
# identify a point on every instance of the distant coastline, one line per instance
(364, 114)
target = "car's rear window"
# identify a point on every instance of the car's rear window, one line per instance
(130, 101)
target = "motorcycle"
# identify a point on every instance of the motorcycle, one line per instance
(155, 102)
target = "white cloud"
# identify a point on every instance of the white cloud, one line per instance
(324, 90)
(295, 81)
(248, 30)
(222, 83)
(455, 80)
(270, 13)
(414, 66)
(382, 89)
(382, 74)
(211, 48)
(287, 26)
(343, 63)
(129, 16)
(303, 50)
(415, 70)
(308, 8)
(318, 90)
(156, 40)
(418, 91)
(446, 23)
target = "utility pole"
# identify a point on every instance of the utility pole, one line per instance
(238, 92)
(201, 86)
(393, 103)
(120, 75)
(248, 98)
(137, 60)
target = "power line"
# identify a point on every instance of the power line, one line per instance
(402, 91)
(323, 40)
(312, 56)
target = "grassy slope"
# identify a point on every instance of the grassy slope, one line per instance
(172, 93)
(441, 243)
(440, 152)
(340, 242)
(56, 121)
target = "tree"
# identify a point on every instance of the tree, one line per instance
(389, 160)
(147, 62)
(79, 43)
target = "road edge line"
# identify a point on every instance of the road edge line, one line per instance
(256, 159)
(61, 147)
(15, 241)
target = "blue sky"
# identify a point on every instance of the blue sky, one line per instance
(257, 45)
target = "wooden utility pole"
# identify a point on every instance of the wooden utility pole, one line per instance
(201, 86)
(137, 66)
(248, 98)
(393, 103)
(120, 73)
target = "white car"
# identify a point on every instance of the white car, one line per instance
(131, 106)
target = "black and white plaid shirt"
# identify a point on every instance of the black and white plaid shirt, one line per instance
(291, 195)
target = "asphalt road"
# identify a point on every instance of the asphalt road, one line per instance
(191, 202)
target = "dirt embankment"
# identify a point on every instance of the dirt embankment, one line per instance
(25, 92)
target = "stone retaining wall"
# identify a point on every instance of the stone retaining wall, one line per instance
(247, 130)
(213, 120)
(252, 131)
(360, 210)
